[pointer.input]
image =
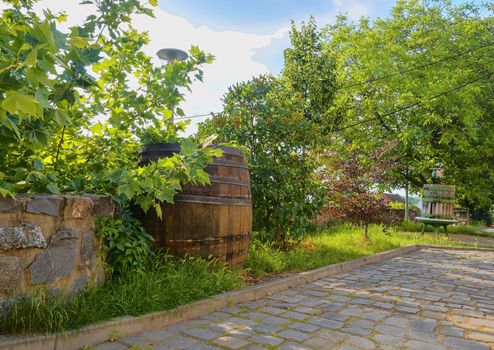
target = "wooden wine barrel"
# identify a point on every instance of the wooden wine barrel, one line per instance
(438, 201)
(207, 221)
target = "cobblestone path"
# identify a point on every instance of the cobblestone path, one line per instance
(430, 299)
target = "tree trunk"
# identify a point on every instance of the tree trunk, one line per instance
(366, 231)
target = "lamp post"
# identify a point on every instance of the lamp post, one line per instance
(169, 55)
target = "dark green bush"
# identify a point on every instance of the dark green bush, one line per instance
(126, 243)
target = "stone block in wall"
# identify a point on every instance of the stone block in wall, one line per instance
(10, 219)
(103, 205)
(58, 260)
(79, 284)
(10, 272)
(9, 205)
(24, 236)
(89, 245)
(45, 204)
(78, 208)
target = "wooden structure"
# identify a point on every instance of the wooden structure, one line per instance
(206, 221)
(438, 203)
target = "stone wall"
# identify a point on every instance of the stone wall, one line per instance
(49, 240)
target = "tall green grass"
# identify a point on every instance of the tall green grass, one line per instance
(166, 284)
(411, 226)
(332, 245)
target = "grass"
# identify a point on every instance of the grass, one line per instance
(172, 282)
(333, 245)
(167, 283)
(465, 230)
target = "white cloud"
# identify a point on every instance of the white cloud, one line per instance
(234, 52)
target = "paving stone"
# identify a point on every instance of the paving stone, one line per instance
(295, 315)
(388, 339)
(137, 340)
(266, 339)
(272, 310)
(421, 345)
(335, 316)
(484, 337)
(317, 342)
(384, 305)
(360, 343)
(306, 327)
(367, 324)
(409, 302)
(115, 345)
(356, 330)
(240, 322)
(307, 310)
(325, 323)
(180, 342)
(407, 309)
(241, 333)
(160, 334)
(452, 331)
(391, 330)
(293, 334)
(266, 328)
(397, 321)
(202, 333)
(464, 344)
(216, 316)
(254, 315)
(375, 315)
(275, 320)
(201, 347)
(294, 346)
(231, 342)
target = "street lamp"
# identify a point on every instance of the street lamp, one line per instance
(169, 55)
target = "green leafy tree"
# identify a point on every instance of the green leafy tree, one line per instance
(421, 80)
(282, 122)
(64, 128)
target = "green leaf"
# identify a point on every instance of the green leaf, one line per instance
(53, 188)
(79, 42)
(167, 114)
(157, 207)
(31, 58)
(17, 103)
(61, 118)
(38, 165)
(129, 192)
(188, 146)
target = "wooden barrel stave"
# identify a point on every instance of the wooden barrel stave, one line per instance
(212, 220)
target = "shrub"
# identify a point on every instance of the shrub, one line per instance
(352, 195)
(126, 243)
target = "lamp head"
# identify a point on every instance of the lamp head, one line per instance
(169, 55)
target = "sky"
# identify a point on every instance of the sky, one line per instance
(248, 37)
